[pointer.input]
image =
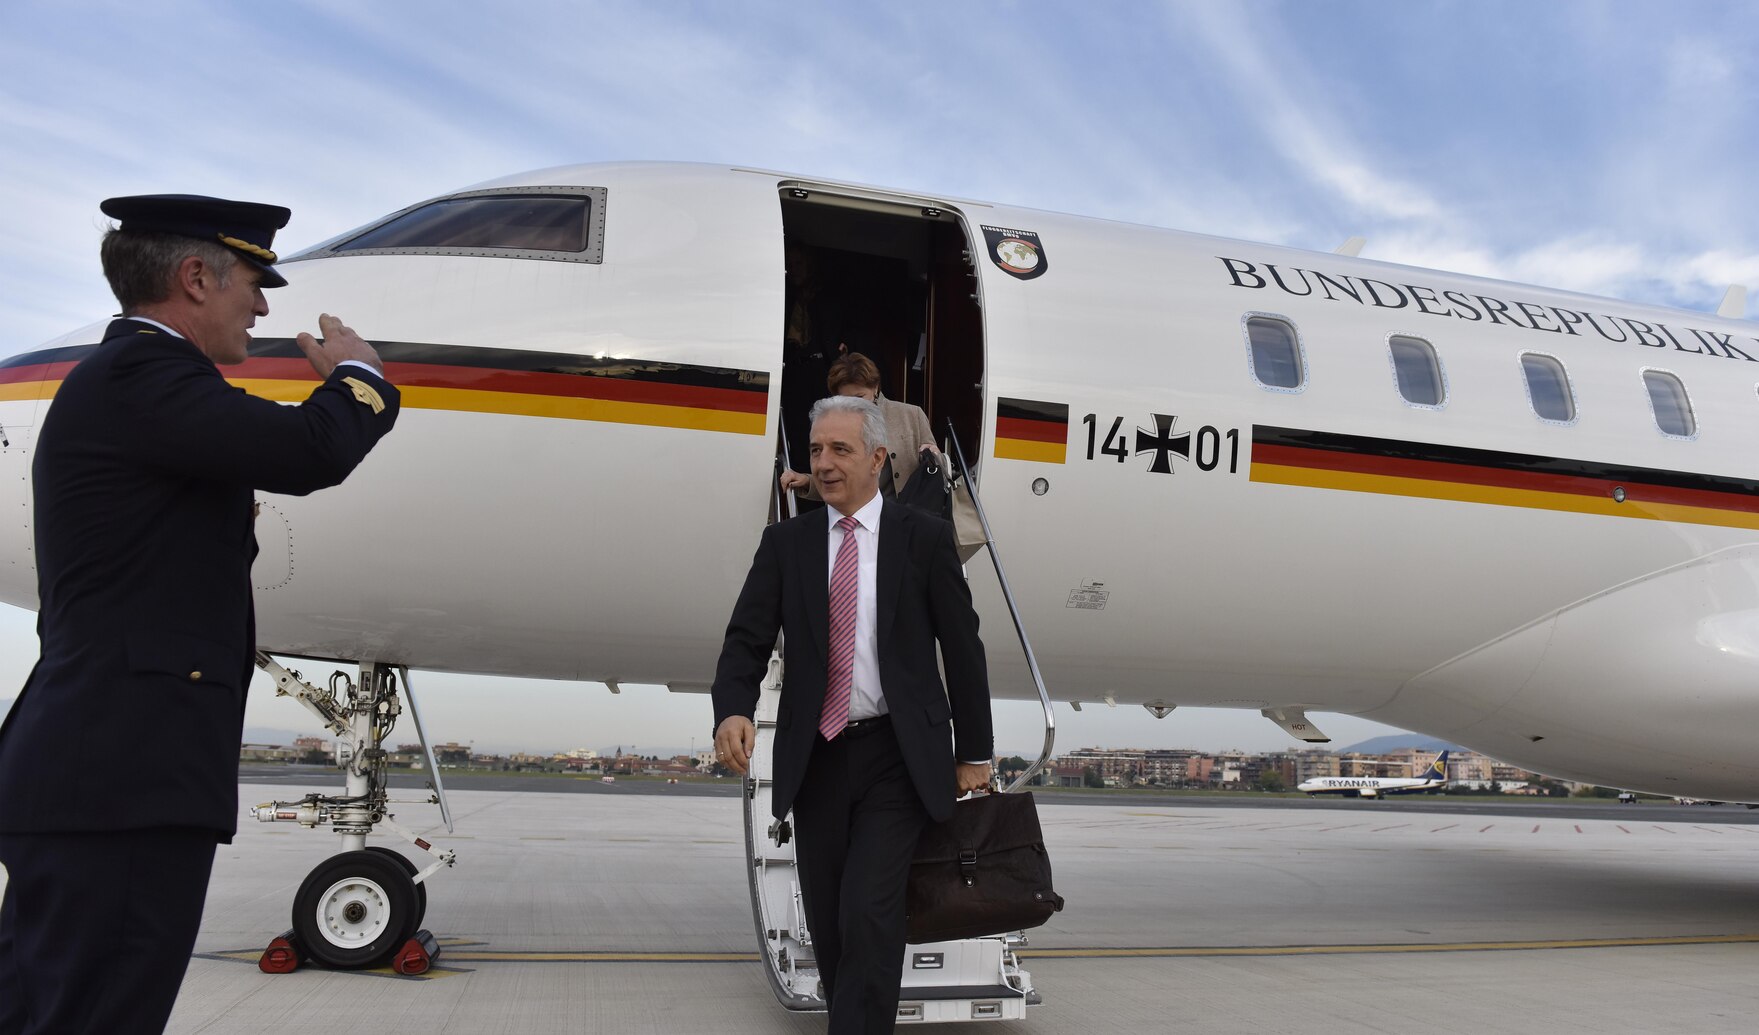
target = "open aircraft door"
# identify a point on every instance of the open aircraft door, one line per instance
(890, 277)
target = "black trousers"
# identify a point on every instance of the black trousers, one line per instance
(858, 818)
(96, 928)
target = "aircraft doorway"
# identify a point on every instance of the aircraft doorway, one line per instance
(891, 281)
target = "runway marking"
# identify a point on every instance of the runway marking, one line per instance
(251, 956)
(1438, 830)
(1135, 953)
(1342, 950)
(565, 956)
(1155, 952)
(1395, 826)
(1661, 828)
(1487, 826)
(1713, 830)
(1621, 826)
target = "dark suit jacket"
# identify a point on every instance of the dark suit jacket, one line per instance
(143, 482)
(921, 597)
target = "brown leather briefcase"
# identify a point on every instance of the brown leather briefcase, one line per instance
(982, 872)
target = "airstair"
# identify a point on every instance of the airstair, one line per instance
(972, 979)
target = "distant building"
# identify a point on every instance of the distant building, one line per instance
(452, 755)
(269, 753)
(1469, 769)
(1066, 776)
(1119, 766)
(1311, 765)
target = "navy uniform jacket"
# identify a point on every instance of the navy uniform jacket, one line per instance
(920, 597)
(143, 483)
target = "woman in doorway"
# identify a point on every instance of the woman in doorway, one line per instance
(907, 428)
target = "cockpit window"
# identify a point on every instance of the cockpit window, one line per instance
(560, 223)
(540, 224)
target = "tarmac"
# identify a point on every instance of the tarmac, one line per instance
(626, 910)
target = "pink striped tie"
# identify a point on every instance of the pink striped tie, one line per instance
(845, 582)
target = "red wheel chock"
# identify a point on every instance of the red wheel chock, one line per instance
(283, 956)
(417, 954)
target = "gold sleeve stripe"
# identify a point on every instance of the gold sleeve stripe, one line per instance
(365, 393)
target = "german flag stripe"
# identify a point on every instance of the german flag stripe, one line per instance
(1030, 430)
(486, 380)
(1287, 456)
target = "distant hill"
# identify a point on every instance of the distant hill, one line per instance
(1394, 741)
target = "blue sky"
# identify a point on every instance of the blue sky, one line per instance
(1605, 147)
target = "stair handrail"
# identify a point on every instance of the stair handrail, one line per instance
(989, 541)
(785, 505)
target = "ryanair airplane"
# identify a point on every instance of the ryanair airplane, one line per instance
(1374, 786)
(1214, 473)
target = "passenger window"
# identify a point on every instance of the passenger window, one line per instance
(1667, 397)
(1548, 387)
(1418, 371)
(1276, 352)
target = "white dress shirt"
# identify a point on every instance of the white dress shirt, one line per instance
(866, 699)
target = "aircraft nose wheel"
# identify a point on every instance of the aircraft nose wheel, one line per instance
(355, 909)
(421, 890)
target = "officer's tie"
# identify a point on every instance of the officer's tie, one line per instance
(845, 587)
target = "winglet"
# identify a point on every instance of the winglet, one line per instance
(1352, 247)
(1734, 303)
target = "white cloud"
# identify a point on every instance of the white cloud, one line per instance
(1293, 109)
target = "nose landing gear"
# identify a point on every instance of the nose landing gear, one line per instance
(358, 908)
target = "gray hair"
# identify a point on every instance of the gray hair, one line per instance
(140, 265)
(873, 425)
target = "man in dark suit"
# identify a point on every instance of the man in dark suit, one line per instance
(863, 752)
(119, 760)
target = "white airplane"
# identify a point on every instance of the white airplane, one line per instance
(1436, 775)
(1220, 474)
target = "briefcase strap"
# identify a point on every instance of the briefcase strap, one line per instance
(968, 865)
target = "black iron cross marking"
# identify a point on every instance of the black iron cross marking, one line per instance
(1162, 441)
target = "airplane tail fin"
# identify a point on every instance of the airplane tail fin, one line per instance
(1438, 769)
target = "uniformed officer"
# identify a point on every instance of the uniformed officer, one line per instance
(119, 760)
